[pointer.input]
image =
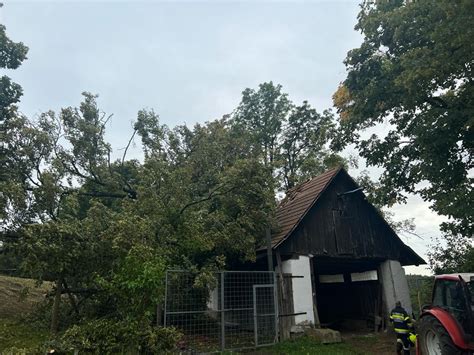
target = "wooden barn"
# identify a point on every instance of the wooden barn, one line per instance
(338, 259)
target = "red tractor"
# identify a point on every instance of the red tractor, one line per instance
(446, 327)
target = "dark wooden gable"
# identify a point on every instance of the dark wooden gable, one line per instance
(342, 223)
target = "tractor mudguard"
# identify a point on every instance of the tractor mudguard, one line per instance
(450, 324)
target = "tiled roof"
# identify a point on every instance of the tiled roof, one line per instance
(297, 203)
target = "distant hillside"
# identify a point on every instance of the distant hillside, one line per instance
(18, 296)
(423, 285)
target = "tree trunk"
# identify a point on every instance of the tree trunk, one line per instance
(55, 310)
(71, 297)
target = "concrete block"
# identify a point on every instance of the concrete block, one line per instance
(297, 329)
(324, 336)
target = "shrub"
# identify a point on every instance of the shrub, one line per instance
(106, 336)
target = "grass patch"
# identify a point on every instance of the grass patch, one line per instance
(18, 296)
(306, 345)
(20, 336)
(373, 344)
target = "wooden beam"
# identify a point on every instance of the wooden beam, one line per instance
(268, 235)
(317, 322)
(284, 286)
(382, 305)
(280, 273)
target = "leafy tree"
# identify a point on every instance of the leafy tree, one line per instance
(290, 140)
(66, 182)
(210, 187)
(105, 231)
(263, 113)
(452, 254)
(302, 152)
(413, 76)
(372, 191)
(12, 54)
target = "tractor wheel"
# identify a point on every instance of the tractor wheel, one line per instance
(433, 338)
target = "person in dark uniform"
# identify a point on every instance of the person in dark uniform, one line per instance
(403, 326)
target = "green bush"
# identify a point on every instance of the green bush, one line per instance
(40, 315)
(106, 336)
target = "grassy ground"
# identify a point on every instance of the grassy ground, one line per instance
(17, 298)
(352, 344)
(14, 334)
(305, 345)
(374, 344)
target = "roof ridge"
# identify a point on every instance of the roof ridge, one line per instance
(292, 192)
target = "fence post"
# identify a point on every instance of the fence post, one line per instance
(166, 297)
(255, 318)
(275, 305)
(268, 235)
(222, 313)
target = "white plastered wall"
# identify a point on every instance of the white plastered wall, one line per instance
(395, 285)
(302, 288)
(213, 301)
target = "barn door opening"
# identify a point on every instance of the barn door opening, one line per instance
(349, 295)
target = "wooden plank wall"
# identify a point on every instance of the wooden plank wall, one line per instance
(344, 226)
(286, 307)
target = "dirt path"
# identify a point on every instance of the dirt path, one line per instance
(377, 344)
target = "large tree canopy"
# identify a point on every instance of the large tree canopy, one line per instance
(12, 54)
(105, 230)
(108, 229)
(291, 140)
(412, 78)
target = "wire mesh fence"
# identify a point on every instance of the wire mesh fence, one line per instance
(231, 310)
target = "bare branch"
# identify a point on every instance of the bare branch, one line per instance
(436, 101)
(412, 233)
(108, 161)
(102, 194)
(76, 171)
(32, 181)
(128, 145)
(212, 194)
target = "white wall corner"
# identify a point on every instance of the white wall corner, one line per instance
(395, 285)
(213, 301)
(302, 287)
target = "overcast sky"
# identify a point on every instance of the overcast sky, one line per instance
(189, 61)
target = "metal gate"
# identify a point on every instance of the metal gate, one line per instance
(228, 310)
(264, 310)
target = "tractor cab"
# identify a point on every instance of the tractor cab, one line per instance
(454, 295)
(447, 325)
